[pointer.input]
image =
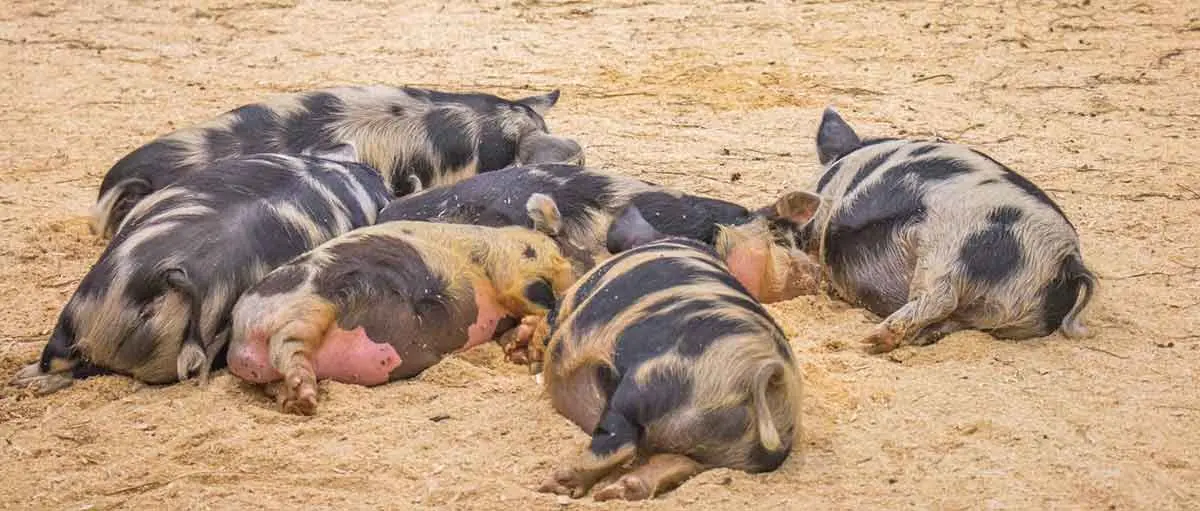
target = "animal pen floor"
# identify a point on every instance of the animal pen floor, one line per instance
(1098, 102)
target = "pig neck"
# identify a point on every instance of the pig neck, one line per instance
(490, 274)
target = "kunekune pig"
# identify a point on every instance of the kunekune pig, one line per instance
(661, 352)
(156, 304)
(596, 223)
(938, 237)
(414, 137)
(388, 301)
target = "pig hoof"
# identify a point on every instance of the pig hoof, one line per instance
(190, 360)
(564, 482)
(31, 376)
(881, 340)
(629, 487)
(298, 395)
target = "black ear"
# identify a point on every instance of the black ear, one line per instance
(629, 230)
(835, 138)
(540, 103)
(541, 293)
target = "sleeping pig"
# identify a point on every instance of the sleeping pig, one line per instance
(156, 305)
(938, 237)
(414, 137)
(388, 301)
(596, 222)
(660, 353)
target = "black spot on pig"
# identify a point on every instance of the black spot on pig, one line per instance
(1028, 187)
(1006, 215)
(933, 169)
(828, 176)
(540, 293)
(762, 460)
(397, 110)
(529, 252)
(495, 150)
(866, 229)
(993, 254)
(725, 424)
(613, 432)
(989, 181)
(286, 279)
(925, 149)
(305, 128)
(448, 133)
(661, 393)
(254, 130)
(867, 169)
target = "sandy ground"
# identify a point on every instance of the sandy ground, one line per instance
(1097, 102)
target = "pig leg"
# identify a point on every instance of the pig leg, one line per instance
(292, 349)
(614, 443)
(42, 383)
(933, 302)
(661, 472)
(935, 332)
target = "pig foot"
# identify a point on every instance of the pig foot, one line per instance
(575, 480)
(31, 376)
(661, 472)
(298, 393)
(190, 360)
(881, 340)
(528, 344)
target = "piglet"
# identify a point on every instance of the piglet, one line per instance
(156, 305)
(939, 237)
(388, 301)
(660, 353)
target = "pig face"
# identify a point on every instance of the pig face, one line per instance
(766, 254)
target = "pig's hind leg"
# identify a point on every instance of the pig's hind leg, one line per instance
(614, 443)
(932, 299)
(292, 349)
(660, 473)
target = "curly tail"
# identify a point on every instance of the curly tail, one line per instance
(1079, 278)
(768, 432)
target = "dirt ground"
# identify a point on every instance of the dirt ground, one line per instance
(1097, 102)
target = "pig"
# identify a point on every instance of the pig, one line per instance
(414, 137)
(597, 222)
(661, 352)
(156, 304)
(388, 301)
(937, 237)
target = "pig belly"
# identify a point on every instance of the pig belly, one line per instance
(486, 320)
(250, 360)
(349, 356)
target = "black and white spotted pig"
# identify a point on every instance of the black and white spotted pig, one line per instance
(661, 352)
(156, 305)
(596, 221)
(410, 135)
(388, 301)
(938, 237)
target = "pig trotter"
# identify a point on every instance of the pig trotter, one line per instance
(661, 472)
(42, 383)
(881, 340)
(190, 360)
(298, 394)
(575, 480)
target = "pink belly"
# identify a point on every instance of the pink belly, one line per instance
(349, 356)
(489, 315)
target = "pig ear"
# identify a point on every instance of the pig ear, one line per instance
(629, 230)
(835, 138)
(540, 147)
(544, 213)
(540, 103)
(797, 207)
(345, 152)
